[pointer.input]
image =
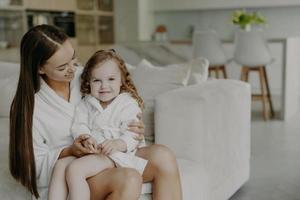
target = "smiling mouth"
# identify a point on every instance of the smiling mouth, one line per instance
(69, 75)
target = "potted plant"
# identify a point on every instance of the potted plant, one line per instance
(245, 19)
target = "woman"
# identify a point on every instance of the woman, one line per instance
(40, 120)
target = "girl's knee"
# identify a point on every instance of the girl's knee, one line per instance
(74, 169)
(62, 164)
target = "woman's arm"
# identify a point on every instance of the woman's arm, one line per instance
(80, 123)
(130, 123)
(137, 127)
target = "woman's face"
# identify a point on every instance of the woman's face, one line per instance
(61, 66)
(106, 82)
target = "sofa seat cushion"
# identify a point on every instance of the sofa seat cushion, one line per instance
(194, 181)
(9, 188)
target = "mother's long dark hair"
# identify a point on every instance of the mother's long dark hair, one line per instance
(37, 46)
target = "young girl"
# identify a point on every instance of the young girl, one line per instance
(110, 101)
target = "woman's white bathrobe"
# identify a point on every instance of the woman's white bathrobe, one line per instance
(111, 123)
(52, 120)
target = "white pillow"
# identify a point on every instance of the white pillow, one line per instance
(151, 81)
(199, 70)
(130, 67)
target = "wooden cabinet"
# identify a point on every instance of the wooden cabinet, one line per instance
(93, 22)
(39, 4)
(16, 2)
(105, 5)
(94, 26)
(85, 4)
(11, 28)
(51, 5)
(85, 29)
(106, 29)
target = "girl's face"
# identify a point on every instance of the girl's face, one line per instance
(61, 66)
(106, 82)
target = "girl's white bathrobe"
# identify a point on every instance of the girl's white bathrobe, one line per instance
(111, 123)
(51, 132)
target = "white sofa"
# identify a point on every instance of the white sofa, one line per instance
(207, 126)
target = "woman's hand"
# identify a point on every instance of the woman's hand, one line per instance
(137, 127)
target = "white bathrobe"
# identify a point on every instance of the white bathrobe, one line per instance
(52, 120)
(111, 123)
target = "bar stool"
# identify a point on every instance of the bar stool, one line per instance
(207, 44)
(252, 52)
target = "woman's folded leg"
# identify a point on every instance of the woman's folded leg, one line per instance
(163, 171)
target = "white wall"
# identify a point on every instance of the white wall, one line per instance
(291, 84)
(134, 20)
(126, 20)
(146, 19)
(282, 22)
(164, 5)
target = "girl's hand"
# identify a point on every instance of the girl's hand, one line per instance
(77, 149)
(91, 144)
(137, 127)
(109, 146)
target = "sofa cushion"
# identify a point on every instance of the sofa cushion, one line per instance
(151, 81)
(154, 80)
(199, 70)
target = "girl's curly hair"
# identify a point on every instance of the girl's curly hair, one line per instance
(102, 56)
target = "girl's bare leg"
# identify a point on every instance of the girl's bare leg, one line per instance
(82, 168)
(58, 188)
(163, 171)
(116, 184)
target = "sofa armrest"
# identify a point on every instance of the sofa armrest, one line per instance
(208, 123)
